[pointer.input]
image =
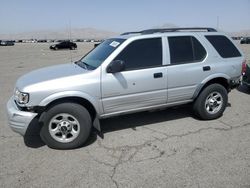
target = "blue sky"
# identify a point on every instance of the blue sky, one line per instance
(119, 16)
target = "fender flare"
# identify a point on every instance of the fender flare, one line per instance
(207, 79)
(94, 101)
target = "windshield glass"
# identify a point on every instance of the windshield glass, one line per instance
(95, 57)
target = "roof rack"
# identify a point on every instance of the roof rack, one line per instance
(133, 32)
(163, 30)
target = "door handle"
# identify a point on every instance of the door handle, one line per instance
(206, 68)
(158, 75)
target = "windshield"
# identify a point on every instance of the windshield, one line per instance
(95, 57)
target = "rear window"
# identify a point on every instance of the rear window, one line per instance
(223, 46)
(185, 49)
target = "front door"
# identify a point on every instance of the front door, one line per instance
(142, 84)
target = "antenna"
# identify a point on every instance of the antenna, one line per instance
(69, 34)
(218, 22)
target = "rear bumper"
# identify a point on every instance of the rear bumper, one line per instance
(18, 120)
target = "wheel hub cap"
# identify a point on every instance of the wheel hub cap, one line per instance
(213, 103)
(64, 128)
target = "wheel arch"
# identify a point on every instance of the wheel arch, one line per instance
(222, 80)
(91, 104)
(82, 101)
(75, 96)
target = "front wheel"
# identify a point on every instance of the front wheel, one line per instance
(211, 102)
(66, 126)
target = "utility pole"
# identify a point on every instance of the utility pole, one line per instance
(70, 30)
(218, 22)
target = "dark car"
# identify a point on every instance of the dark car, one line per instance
(246, 75)
(7, 43)
(245, 40)
(64, 45)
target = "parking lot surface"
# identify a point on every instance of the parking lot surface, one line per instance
(167, 148)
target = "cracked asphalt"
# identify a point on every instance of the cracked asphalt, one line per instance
(165, 148)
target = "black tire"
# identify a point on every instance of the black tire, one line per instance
(201, 103)
(78, 112)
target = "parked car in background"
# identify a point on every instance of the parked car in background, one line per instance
(42, 40)
(7, 43)
(64, 45)
(245, 40)
(246, 75)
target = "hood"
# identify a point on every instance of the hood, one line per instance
(49, 73)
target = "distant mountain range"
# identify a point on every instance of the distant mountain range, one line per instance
(79, 33)
(244, 33)
(84, 33)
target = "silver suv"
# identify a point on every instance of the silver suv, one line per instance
(136, 71)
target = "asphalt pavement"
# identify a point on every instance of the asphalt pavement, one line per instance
(167, 148)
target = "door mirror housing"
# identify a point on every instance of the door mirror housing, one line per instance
(116, 66)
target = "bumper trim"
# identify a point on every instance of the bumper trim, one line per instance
(18, 120)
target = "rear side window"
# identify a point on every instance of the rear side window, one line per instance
(185, 49)
(142, 53)
(223, 46)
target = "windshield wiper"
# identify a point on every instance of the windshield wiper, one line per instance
(82, 64)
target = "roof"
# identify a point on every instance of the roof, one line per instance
(127, 35)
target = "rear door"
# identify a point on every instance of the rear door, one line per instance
(143, 83)
(186, 69)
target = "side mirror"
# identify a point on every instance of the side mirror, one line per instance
(116, 66)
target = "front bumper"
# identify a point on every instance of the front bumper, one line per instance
(18, 120)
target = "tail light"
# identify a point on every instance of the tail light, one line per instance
(244, 67)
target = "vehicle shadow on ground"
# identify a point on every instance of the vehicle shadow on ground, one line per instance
(32, 137)
(243, 89)
(133, 121)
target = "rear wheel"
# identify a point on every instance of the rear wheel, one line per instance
(66, 126)
(211, 102)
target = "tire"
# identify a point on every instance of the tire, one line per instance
(65, 126)
(211, 102)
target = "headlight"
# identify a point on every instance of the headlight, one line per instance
(20, 97)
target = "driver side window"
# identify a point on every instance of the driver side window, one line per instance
(141, 54)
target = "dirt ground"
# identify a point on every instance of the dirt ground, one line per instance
(168, 148)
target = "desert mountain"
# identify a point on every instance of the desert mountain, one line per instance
(82, 33)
